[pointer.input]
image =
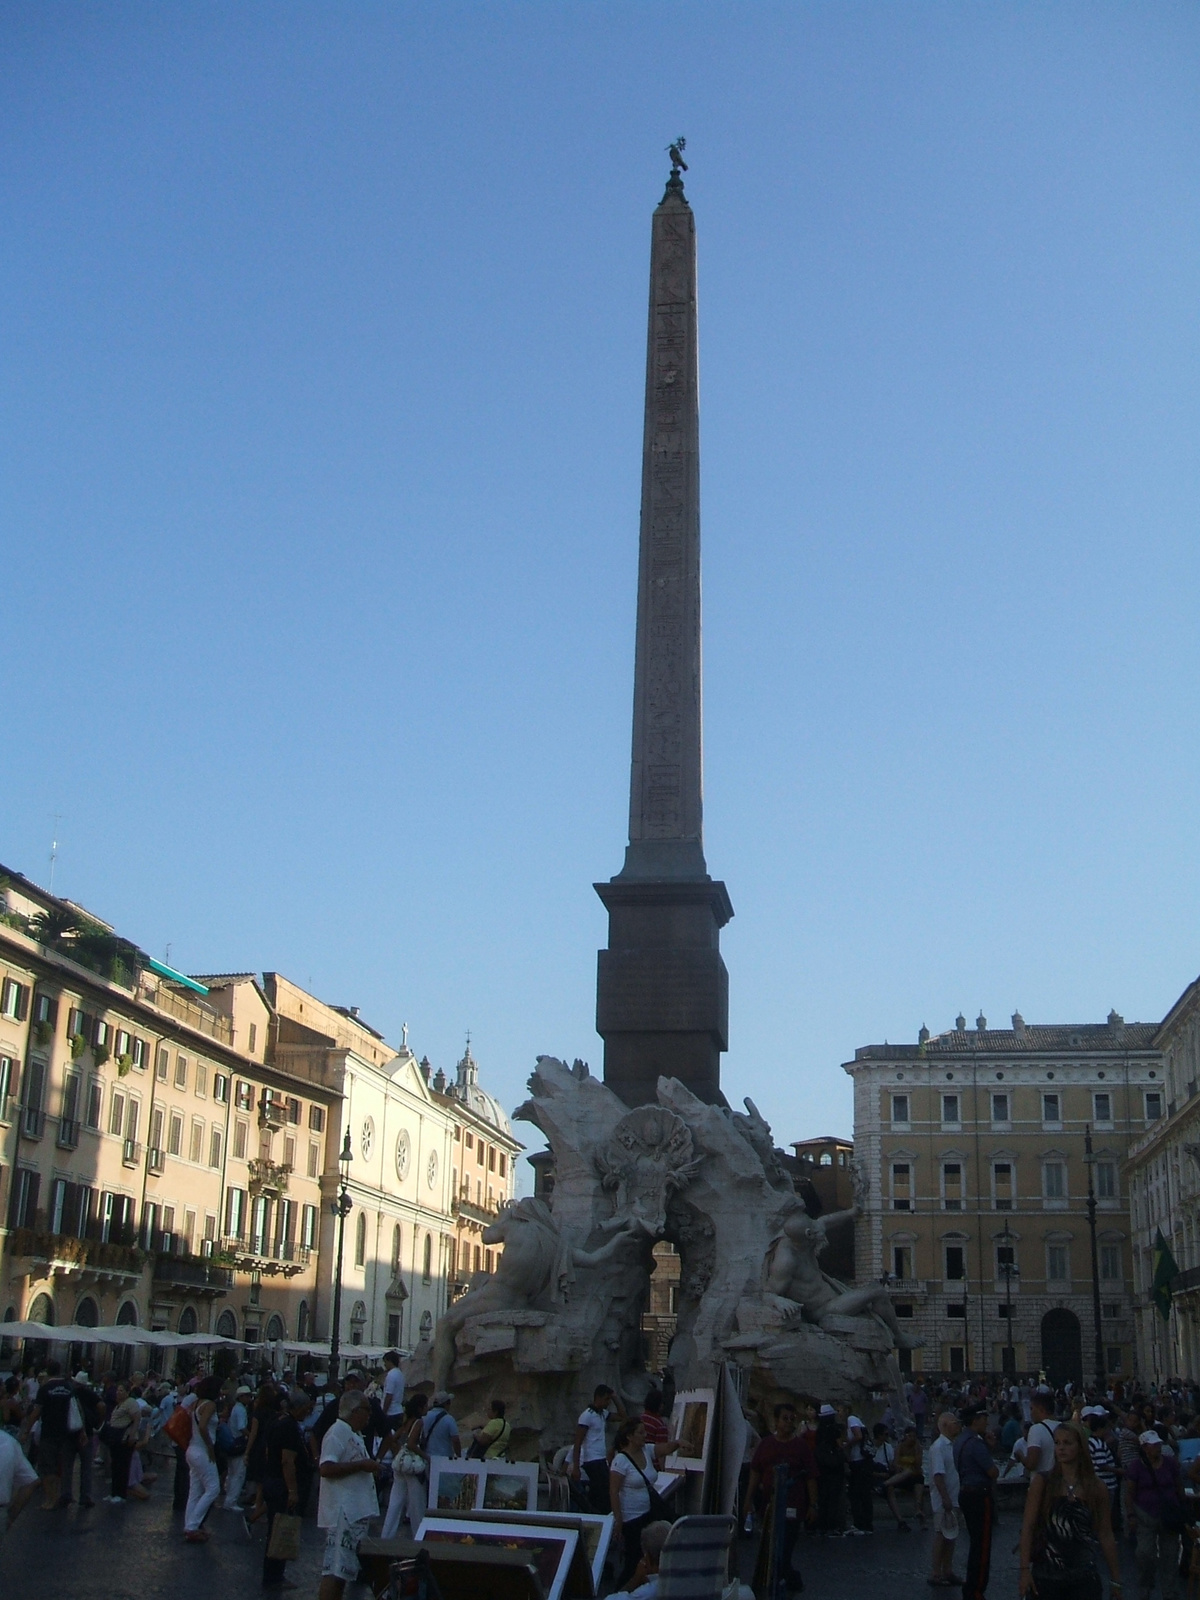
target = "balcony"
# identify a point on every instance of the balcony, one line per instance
(33, 1122)
(68, 1134)
(257, 1252)
(131, 1153)
(191, 1011)
(185, 1272)
(906, 1288)
(68, 1255)
(156, 1161)
(462, 1206)
(268, 1177)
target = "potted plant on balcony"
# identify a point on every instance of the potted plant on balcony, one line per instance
(78, 1046)
(124, 1064)
(99, 1054)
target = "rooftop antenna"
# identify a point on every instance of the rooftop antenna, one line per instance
(54, 849)
(167, 957)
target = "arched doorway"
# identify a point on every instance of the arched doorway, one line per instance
(227, 1325)
(41, 1310)
(1062, 1347)
(275, 1328)
(187, 1320)
(87, 1313)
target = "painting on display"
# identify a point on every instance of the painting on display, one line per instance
(551, 1549)
(691, 1424)
(460, 1485)
(595, 1530)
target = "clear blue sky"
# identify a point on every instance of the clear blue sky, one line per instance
(323, 337)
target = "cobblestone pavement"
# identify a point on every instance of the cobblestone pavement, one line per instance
(136, 1552)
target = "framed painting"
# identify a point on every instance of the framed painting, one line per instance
(595, 1531)
(551, 1549)
(455, 1485)
(691, 1424)
(508, 1486)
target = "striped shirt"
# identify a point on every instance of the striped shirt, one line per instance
(1102, 1461)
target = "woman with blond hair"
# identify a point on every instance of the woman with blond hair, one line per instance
(1066, 1522)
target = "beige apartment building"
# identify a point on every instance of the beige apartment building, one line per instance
(147, 1174)
(483, 1168)
(169, 1148)
(1163, 1173)
(971, 1144)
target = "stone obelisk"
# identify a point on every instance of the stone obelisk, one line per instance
(662, 993)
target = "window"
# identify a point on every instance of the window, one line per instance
(1112, 1309)
(1054, 1174)
(949, 1109)
(1110, 1261)
(491, 1158)
(45, 1010)
(202, 1080)
(826, 1159)
(13, 999)
(1004, 1310)
(1002, 1185)
(139, 1054)
(132, 1118)
(6, 1080)
(308, 1226)
(360, 1240)
(123, 1043)
(1057, 1263)
(95, 1102)
(427, 1265)
(957, 1354)
(253, 1037)
(903, 1308)
(479, 1151)
(1113, 1357)
(1101, 1108)
(293, 1110)
(1006, 1256)
(1106, 1180)
(956, 1262)
(197, 1144)
(245, 1095)
(902, 1262)
(393, 1326)
(175, 1135)
(314, 1160)
(1153, 1105)
(901, 1186)
(240, 1131)
(221, 1088)
(1051, 1112)
(181, 1072)
(999, 1108)
(289, 1154)
(116, 1114)
(952, 1185)
(470, 1140)
(899, 1110)
(235, 1213)
(958, 1309)
(396, 1248)
(161, 1063)
(214, 1149)
(316, 1118)
(23, 1198)
(157, 1122)
(503, 1164)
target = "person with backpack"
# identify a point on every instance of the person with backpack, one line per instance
(439, 1431)
(491, 1440)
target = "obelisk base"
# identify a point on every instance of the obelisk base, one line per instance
(662, 991)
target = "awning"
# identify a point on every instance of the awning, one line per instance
(123, 1333)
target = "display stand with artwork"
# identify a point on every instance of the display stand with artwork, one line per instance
(595, 1531)
(692, 1425)
(459, 1485)
(550, 1549)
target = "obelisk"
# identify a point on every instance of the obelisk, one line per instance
(662, 993)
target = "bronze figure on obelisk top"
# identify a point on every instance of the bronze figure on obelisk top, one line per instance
(662, 989)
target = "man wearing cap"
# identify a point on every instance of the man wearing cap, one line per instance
(239, 1428)
(977, 1472)
(439, 1431)
(1158, 1513)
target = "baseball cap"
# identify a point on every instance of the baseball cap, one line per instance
(827, 1411)
(1093, 1411)
(1149, 1437)
(244, 1388)
(442, 1398)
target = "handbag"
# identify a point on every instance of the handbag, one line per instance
(74, 1416)
(410, 1463)
(285, 1537)
(658, 1506)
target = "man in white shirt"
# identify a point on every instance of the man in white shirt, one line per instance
(393, 1388)
(18, 1480)
(1039, 1442)
(348, 1499)
(862, 1488)
(589, 1453)
(943, 1487)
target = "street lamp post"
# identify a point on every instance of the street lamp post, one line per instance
(1008, 1271)
(1089, 1161)
(341, 1208)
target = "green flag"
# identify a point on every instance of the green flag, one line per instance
(1165, 1271)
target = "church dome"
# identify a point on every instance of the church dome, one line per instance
(466, 1089)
